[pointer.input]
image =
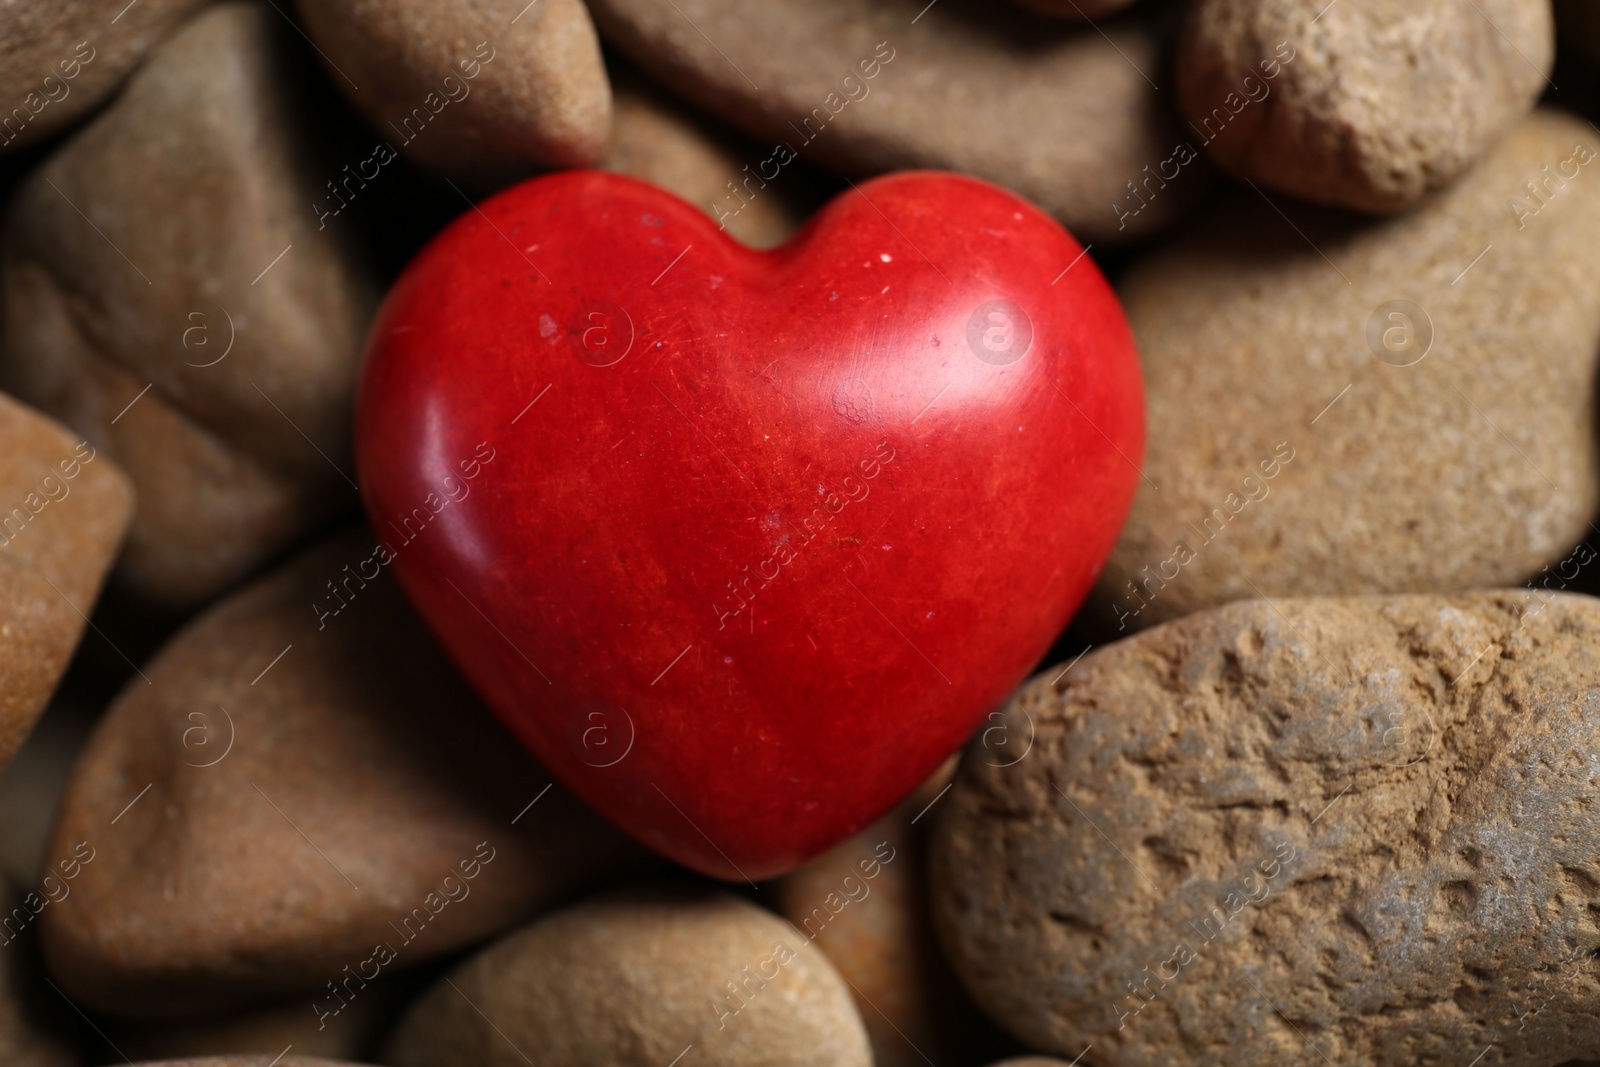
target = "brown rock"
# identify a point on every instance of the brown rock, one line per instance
(633, 979)
(864, 903)
(661, 143)
(469, 89)
(886, 85)
(1354, 827)
(191, 186)
(59, 59)
(1368, 104)
(64, 508)
(1291, 450)
(300, 800)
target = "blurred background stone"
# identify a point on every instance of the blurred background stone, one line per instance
(480, 93)
(64, 508)
(170, 295)
(280, 797)
(1344, 406)
(59, 59)
(1066, 115)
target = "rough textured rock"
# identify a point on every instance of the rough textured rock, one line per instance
(64, 508)
(289, 796)
(1473, 466)
(190, 187)
(1374, 102)
(632, 979)
(471, 89)
(868, 87)
(61, 58)
(660, 143)
(864, 903)
(1355, 826)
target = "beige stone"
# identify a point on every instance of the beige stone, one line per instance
(172, 245)
(1349, 830)
(292, 789)
(634, 979)
(1368, 104)
(662, 143)
(1060, 113)
(1289, 449)
(471, 89)
(59, 59)
(64, 508)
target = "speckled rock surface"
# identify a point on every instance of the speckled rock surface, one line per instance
(864, 903)
(172, 245)
(654, 140)
(64, 508)
(1291, 450)
(471, 89)
(1374, 102)
(296, 792)
(59, 59)
(634, 978)
(1354, 826)
(868, 87)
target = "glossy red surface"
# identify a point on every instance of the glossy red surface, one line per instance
(751, 540)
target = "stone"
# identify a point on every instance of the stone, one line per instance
(471, 90)
(64, 509)
(659, 142)
(168, 293)
(1373, 103)
(634, 978)
(1357, 826)
(59, 59)
(1338, 406)
(864, 904)
(865, 88)
(297, 798)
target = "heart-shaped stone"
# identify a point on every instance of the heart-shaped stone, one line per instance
(743, 544)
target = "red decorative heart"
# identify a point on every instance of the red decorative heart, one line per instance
(744, 544)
